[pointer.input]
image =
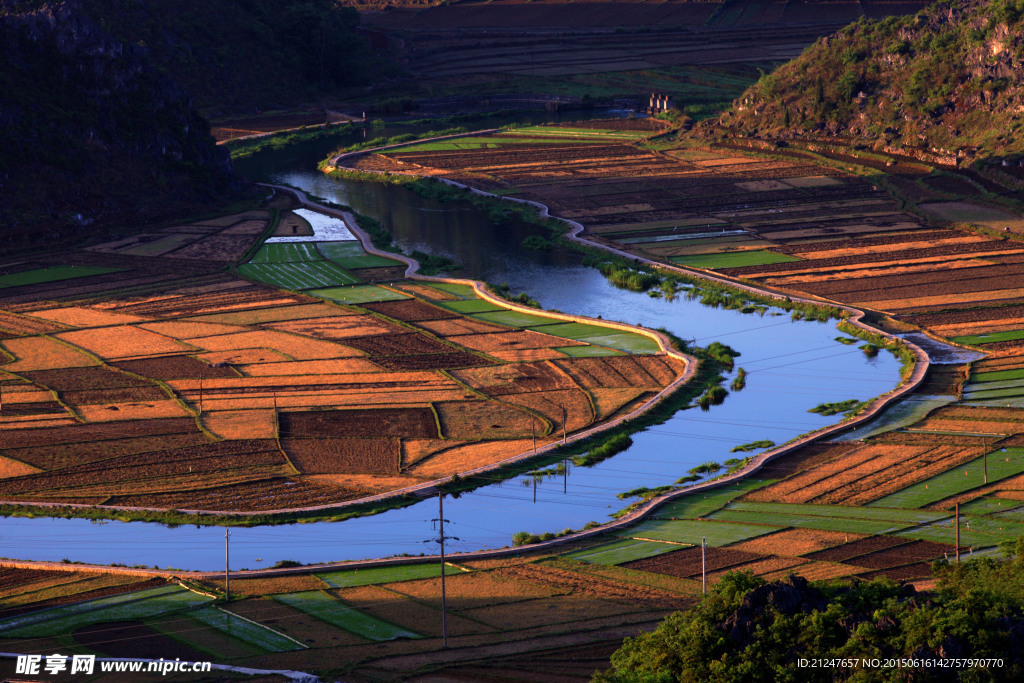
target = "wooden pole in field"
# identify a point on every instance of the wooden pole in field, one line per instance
(958, 533)
(227, 565)
(444, 596)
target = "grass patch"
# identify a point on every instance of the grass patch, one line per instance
(326, 608)
(352, 255)
(246, 631)
(997, 375)
(125, 607)
(841, 511)
(979, 339)
(358, 294)
(40, 275)
(625, 550)
(378, 575)
(470, 306)
(691, 531)
(864, 526)
(835, 408)
(701, 504)
(1001, 464)
(514, 319)
(737, 259)
(304, 275)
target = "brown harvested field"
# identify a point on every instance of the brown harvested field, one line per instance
(769, 565)
(469, 456)
(608, 402)
(909, 571)
(516, 378)
(183, 329)
(133, 639)
(425, 292)
(369, 423)
(341, 327)
(20, 325)
(221, 247)
(370, 483)
(597, 586)
(410, 614)
(558, 610)
(273, 493)
(173, 367)
(414, 450)
(270, 313)
(334, 366)
(473, 589)
(77, 316)
(399, 344)
(43, 353)
(866, 473)
(270, 585)
(244, 356)
(241, 424)
(431, 361)
(527, 355)
(83, 433)
(410, 310)
(14, 468)
(795, 542)
(623, 371)
(568, 409)
(88, 450)
(293, 347)
(687, 562)
(294, 623)
(816, 571)
(915, 551)
(456, 326)
(123, 341)
(130, 411)
(847, 551)
(483, 420)
(344, 456)
(511, 340)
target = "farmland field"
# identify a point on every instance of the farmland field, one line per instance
(327, 608)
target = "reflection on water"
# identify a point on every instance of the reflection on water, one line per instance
(791, 366)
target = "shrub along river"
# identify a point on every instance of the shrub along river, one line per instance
(792, 366)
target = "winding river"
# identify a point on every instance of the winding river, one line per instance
(792, 366)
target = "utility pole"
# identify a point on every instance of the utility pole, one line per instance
(227, 564)
(958, 533)
(441, 539)
(563, 425)
(533, 430)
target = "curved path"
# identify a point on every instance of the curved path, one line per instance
(757, 463)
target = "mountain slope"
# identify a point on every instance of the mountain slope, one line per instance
(91, 133)
(949, 77)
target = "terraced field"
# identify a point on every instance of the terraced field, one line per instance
(211, 392)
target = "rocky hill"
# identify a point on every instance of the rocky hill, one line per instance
(91, 134)
(950, 77)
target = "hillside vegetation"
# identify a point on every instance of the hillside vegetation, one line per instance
(948, 77)
(91, 132)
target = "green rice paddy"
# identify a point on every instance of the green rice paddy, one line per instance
(124, 607)
(468, 306)
(691, 531)
(303, 275)
(588, 351)
(991, 338)
(352, 255)
(997, 375)
(54, 274)
(377, 575)
(807, 521)
(701, 503)
(734, 259)
(625, 550)
(325, 608)
(244, 630)
(1001, 464)
(359, 294)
